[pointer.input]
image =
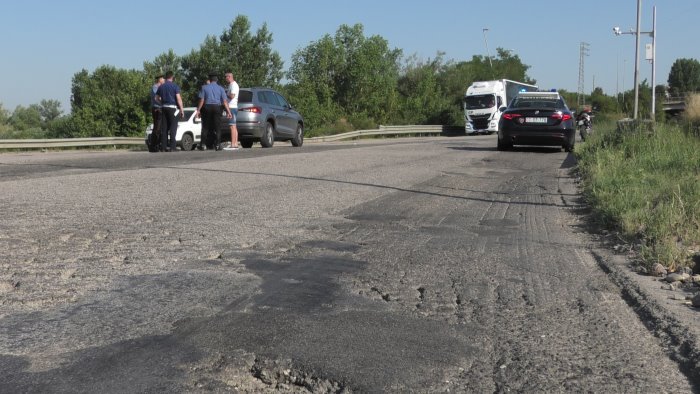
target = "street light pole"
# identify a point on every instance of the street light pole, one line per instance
(651, 34)
(653, 67)
(484, 30)
(636, 59)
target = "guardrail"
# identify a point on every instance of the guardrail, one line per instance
(117, 141)
(392, 131)
(69, 142)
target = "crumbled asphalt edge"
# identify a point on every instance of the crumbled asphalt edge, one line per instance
(278, 374)
(681, 345)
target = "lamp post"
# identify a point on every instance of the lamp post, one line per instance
(637, 33)
(484, 30)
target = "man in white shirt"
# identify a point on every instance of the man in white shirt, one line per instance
(232, 92)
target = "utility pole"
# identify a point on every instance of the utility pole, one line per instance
(651, 56)
(636, 59)
(653, 66)
(583, 52)
(488, 54)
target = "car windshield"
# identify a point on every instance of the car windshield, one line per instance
(480, 101)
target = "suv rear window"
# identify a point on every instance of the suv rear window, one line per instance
(245, 96)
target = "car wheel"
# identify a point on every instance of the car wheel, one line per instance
(502, 145)
(247, 144)
(584, 133)
(568, 147)
(298, 139)
(187, 142)
(268, 136)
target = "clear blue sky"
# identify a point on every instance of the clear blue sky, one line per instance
(45, 42)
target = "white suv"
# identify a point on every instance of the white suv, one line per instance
(189, 132)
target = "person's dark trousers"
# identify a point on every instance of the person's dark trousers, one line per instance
(156, 133)
(156, 113)
(213, 123)
(203, 141)
(169, 129)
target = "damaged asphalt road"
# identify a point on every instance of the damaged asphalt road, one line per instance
(428, 265)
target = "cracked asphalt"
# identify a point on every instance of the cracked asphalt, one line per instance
(427, 265)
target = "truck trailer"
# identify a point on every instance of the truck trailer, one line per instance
(483, 100)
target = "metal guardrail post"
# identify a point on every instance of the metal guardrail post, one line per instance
(119, 141)
(69, 142)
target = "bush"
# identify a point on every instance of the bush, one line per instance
(646, 186)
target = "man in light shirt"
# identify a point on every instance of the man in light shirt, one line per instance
(232, 92)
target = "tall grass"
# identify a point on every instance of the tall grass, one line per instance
(647, 186)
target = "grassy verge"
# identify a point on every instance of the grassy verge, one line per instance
(646, 185)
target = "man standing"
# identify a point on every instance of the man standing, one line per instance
(168, 96)
(213, 97)
(156, 113)
(204, 138)
(232, 93)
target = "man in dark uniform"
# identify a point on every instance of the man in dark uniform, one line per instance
(212, 99)
(204, 139)
(168, 95)
(156, 113)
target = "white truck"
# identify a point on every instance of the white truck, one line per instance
(483, 100)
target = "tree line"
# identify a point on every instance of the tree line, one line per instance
(340, 82)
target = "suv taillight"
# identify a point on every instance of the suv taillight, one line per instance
(255, 110)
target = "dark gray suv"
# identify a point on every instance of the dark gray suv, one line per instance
(265, 116)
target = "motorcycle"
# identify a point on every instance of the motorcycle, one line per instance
(584, 126)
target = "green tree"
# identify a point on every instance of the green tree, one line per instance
(509, 66)
(603, 103)
(356, 74)
(370, 72)
(422, 99)
(108, 102)
(26, 118)
(684, 77)
(312, 87)
(163, 63)
(49, 110)
(250, 58)
(4, 115)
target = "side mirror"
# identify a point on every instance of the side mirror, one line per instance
(197, 120)
(502, 109)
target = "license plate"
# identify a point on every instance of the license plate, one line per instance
(536, 120)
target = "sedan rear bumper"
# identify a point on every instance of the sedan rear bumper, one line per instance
(552, 138)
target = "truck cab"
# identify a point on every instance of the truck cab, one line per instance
(483, 100)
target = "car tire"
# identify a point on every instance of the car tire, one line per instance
(502, 145)
(298, 139)
(568, 147)
(247, 144)
(187, 142)
(267, 139)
